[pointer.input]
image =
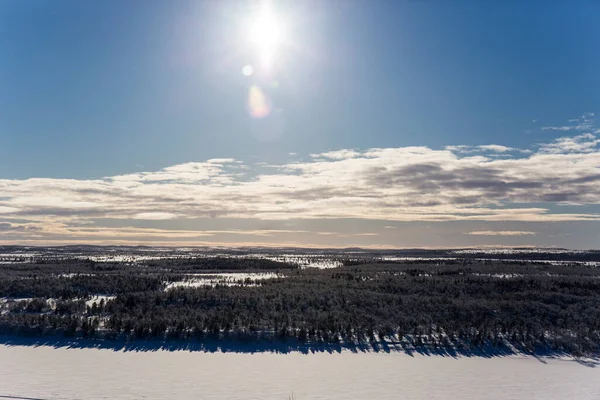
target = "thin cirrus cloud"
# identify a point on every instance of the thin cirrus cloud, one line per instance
(406, 184)
(583, 123)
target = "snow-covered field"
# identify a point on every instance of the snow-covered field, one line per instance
(49, 373)
(223, 278)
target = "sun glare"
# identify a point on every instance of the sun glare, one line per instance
(266, 34)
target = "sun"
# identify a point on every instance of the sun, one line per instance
(265, 31)
(266, 35)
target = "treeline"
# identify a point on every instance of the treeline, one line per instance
(357, 305)
(81, 286)
(178, 264)
(221, 264)
(446, 306)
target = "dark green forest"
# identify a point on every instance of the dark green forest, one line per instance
(448, 304)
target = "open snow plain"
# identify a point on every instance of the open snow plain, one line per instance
(44, 372)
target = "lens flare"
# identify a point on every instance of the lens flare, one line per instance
(259, 105)
(248, 70)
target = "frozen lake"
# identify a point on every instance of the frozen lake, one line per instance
(49, 373)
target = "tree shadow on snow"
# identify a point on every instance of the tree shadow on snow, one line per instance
(278, 346)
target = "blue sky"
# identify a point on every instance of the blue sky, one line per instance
(94, 91)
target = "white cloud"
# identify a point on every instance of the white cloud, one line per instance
(388, 184)
(337, 155)
(155, 215)
(347, 235)
(492, 148)
(497, 148)
(501, 233)
(585, 143)
(221, 160)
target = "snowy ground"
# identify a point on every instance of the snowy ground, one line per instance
(223, 278)
(61, 373)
